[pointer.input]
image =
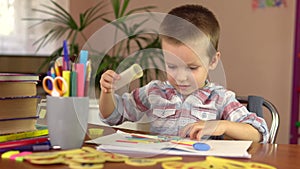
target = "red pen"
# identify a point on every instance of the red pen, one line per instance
(17, 143)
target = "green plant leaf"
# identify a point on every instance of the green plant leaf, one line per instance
(63, 12)
(124, 7)
(55, 19)
(58, 14)
(116, 7)
(146, 8)
(82, 21)
(91, 20)
(92, 14)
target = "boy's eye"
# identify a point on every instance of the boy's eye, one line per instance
(194, 67)
(171, 66)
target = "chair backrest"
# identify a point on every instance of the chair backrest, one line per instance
(255, 104)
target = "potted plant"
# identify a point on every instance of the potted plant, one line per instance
(65, 25)
(138, 40)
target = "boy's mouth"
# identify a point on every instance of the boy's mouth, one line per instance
(183, 87)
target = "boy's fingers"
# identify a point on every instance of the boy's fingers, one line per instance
(185, 131)
(113, 74)
(199, 135)
(108, 76)
(195, 131)
(107, 80)
(107, 86)
(204, 129)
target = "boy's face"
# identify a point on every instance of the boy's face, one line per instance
(186, 71)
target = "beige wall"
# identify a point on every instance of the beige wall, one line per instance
(256, 47)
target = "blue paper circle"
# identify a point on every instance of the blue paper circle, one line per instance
(201, 146)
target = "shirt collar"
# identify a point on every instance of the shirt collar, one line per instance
(202, 93)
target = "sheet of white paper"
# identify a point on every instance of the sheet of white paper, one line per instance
(221, 148)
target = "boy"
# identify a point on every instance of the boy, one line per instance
(187, 104)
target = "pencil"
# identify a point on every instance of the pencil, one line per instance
(126, 141)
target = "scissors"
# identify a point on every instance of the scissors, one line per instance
(59, 85)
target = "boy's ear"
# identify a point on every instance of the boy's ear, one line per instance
(214, 62)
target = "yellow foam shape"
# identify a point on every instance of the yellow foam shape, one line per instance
(95, 132)
(8, 154)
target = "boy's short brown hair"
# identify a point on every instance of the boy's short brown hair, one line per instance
(200, 17)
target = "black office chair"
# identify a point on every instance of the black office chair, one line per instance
(255, 104)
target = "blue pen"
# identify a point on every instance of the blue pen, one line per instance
(66, 61)
(49, 84)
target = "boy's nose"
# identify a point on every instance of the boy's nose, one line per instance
(182, 75)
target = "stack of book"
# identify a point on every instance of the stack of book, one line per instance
(18, 106)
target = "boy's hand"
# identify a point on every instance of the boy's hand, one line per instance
(201, 128)
(107, 80)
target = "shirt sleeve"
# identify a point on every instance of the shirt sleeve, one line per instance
(235, 111)
(129, 106)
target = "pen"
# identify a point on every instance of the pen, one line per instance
(127, 141)
(57, 69)
(43, 146)
(17, 143)
(186, 143)
(52, 72)
(66, 61)
(196, 145)
(144, 136)
(49, 84)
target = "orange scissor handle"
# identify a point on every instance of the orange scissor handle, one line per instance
(57, 89)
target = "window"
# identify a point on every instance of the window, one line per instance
(16, 36)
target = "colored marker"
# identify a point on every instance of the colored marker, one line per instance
(83, 59)
(80, 79)
(66, 75)
(73, 86)
(52, 72)
(87, 78)
(127, 141)
(186, 143)
(66, 60)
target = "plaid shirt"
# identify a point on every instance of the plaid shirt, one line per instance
(168, 112)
